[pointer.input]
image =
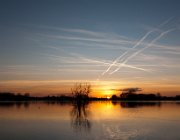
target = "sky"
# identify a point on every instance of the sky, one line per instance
(46, 46)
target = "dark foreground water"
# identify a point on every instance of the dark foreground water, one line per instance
(90, 121)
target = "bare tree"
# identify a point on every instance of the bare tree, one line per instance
(81, 90)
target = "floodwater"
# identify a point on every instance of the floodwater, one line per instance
(90, 121)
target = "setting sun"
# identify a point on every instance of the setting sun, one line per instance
(108, 97)
(108, 92)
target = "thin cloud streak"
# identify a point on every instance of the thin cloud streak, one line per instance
(85, 32)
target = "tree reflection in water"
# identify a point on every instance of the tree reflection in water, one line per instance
(79, 116)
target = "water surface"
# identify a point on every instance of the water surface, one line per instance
(91, 121)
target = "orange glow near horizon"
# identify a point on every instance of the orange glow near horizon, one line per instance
(99, 88)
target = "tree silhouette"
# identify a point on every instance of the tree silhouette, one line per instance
(81, 90)
(129, 93)
(114, 97)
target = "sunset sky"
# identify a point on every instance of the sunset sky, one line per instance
(46, 46)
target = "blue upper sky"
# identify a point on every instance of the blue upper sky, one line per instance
(110, 43)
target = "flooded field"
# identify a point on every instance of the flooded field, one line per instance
(91, 121)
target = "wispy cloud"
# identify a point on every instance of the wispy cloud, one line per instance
(82, 31)
(88, 38)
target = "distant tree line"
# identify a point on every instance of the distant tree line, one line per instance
(8, 96)
(4, 96)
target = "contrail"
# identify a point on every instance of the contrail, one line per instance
(108, 63)
(137, 44)
(133, 67)
(147, 46)
(166, 22)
